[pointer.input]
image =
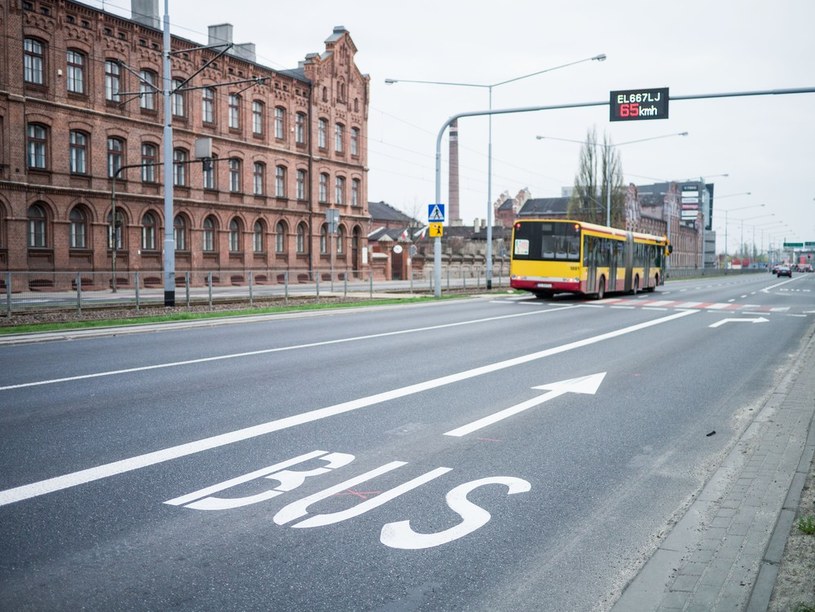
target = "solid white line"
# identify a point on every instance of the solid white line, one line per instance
(464, 430)
(59, 483)
(175, 364)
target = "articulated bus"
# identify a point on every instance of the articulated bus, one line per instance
(557, 255)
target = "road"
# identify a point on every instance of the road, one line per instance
(497, 453)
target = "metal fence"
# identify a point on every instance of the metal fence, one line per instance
(23, 292)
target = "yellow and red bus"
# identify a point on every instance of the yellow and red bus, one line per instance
(559, 255)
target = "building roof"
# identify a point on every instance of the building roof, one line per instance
(380, 212)
(537, 207)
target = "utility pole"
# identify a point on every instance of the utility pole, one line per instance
(169, 217)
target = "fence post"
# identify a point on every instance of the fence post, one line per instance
(209, 288)
(187, 287)
(371, 284)
(317, 278)
(8, 294)
(138, 301)
(251, 295)
(345, 284)
(286, 287)
(78, 293)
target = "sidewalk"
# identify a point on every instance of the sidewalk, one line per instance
(726, 551)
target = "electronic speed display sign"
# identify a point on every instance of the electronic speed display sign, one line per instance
(634, 104)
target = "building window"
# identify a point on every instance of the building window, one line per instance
(234, 175)
(116, 156)
(301, 184)
(324, 239)
(257, 118)
(113, 80)
(78, 155)
(280, 237)
(37, 223)
(280, 123)
(355, 142)
(355, 185)
(37, 146)
(301, 238)
(340, 240)
(322, 134)
(180, 159)
(34, 62)
(179, 99)
(209, 235)
(280, 182)
(300, 128)
(180, 233)
(234, 111)
(209, 173)
(76, 72)
(208, 105)
(149, 160)
(339, 190)
(259, 178)
(339, 137)
(79, 229)
(257, 237)
(147, 90)
(148, 232)
(234, 236)
(323, 188)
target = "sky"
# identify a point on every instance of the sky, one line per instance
(764, 144)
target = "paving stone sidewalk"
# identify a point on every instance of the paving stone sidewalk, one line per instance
(725, 552)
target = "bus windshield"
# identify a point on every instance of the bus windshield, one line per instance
(546, 241)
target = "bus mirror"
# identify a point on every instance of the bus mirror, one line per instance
(669, 249)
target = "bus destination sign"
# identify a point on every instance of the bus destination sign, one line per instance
(634, 104)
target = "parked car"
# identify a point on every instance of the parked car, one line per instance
(784, 271)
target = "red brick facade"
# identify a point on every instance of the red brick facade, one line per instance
(285, 150)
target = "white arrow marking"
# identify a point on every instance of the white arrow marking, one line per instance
(723, 321)
(584, 384)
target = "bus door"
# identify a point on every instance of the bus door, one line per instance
(628, 262)
(614, 247)
(646, 271)
(590, 262)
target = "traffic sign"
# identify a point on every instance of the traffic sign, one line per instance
(793, 245)
(435, 213)
(633, 104)
(436, 230)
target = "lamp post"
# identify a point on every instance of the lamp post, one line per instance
(606, 148)
(489, 87)
(725, 220)
(750, 219)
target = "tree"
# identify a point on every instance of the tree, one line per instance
(598, 162)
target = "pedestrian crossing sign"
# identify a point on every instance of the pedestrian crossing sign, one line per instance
(435, 213)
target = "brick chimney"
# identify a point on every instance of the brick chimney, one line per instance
(454, 214)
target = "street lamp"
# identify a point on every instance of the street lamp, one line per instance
(489, 87)
(725, 220)
(606, 147)
(750, 219)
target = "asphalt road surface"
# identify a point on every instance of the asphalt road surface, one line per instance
(493, 454)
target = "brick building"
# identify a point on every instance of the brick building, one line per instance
(81, 118)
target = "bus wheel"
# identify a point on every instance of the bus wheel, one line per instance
(601, 288)
(636, 289)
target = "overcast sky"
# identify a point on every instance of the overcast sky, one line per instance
(765, 144)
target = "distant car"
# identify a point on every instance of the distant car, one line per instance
(784, 271)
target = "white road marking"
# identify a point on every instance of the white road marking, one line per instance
(175, 364)
(107, 470)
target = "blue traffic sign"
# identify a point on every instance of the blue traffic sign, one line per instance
(435, 213)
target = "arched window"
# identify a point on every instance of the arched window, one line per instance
(209, 243)
(180, 233)
(75, 80)
(180, 159)
(324, 239)
(322, 134)
(340, 240)
(179, 100)
(208, 105)
(235, 236)
(259, 178)
(78, 152)
(37, 146)
(280, 123)
(257, 117)
(116, 157)
(235, 175)
(148, 87)
(280, 182)
(148, 232)
(323, 196)
(37, 226)
(113, 80)
(300, 128)
(280, 237)
(301, 184)
(234, 111)
(79, 229)
(257, 237)
(149, 161)
(301, 238)
(34, 61)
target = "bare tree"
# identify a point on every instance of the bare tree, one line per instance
(599, 169)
